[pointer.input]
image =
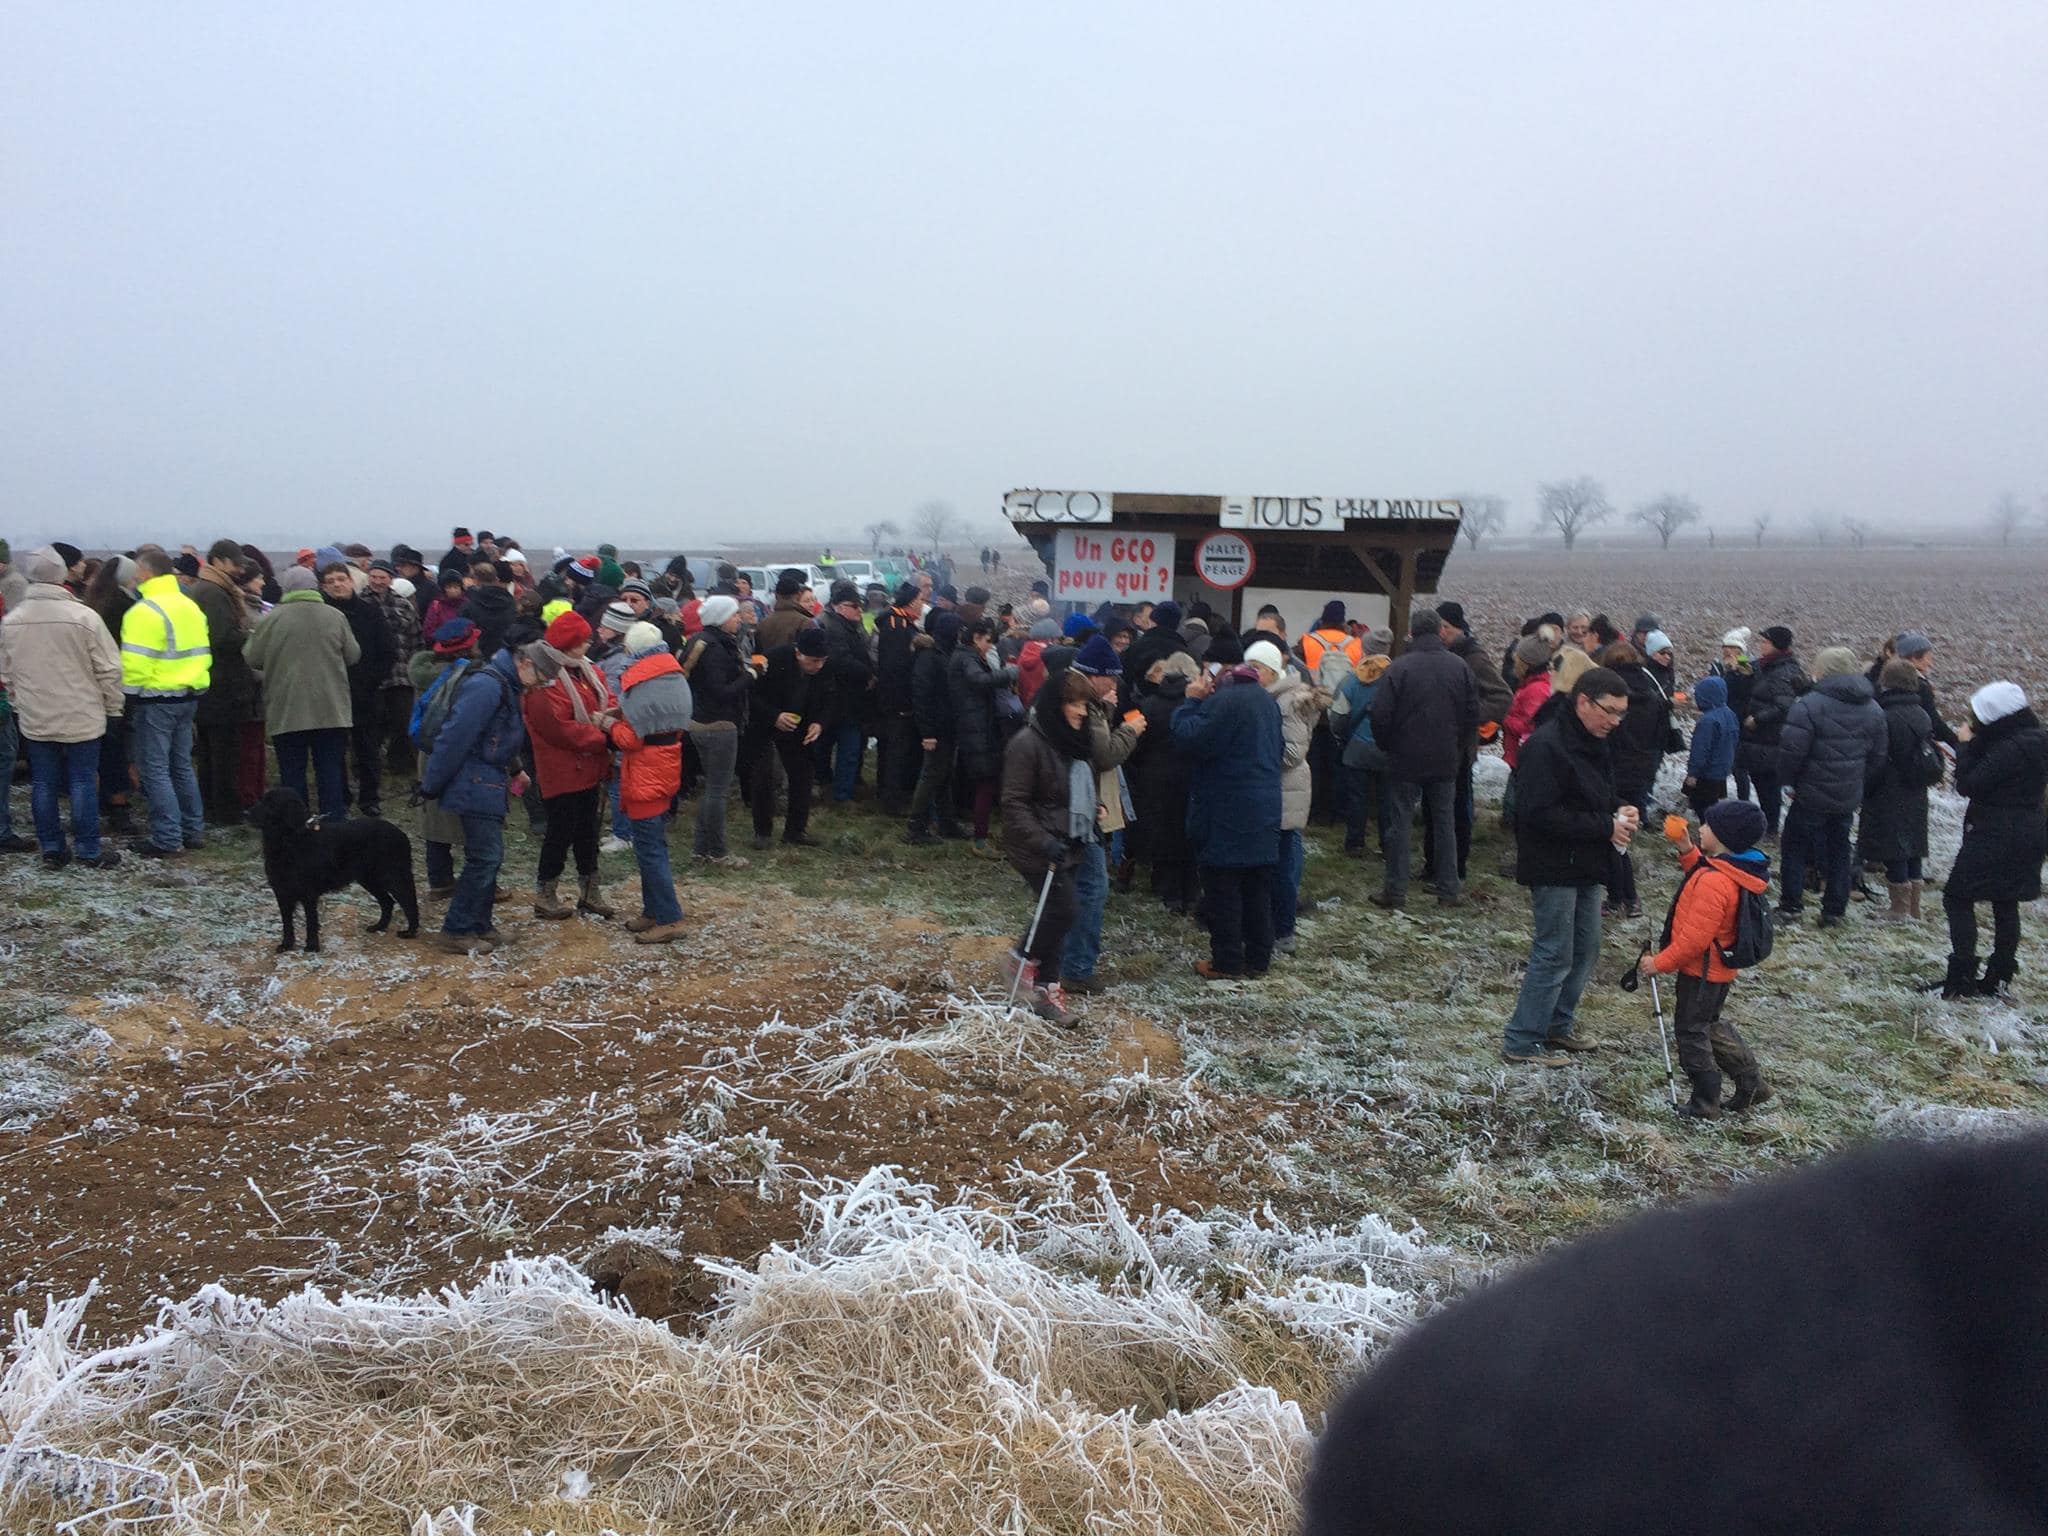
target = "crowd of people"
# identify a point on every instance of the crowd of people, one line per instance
(1135, 742)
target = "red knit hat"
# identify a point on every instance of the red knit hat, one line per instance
(568, 631)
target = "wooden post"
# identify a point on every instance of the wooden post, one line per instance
(1402, 600)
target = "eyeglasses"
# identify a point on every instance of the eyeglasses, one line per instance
(1609, 711)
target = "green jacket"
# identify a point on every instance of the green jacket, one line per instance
(303, 649)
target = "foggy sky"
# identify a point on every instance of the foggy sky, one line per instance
(684, 273)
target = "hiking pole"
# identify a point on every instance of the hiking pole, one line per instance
(1017, 976)
(1657, 998)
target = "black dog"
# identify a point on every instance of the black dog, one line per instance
(1857, 1347)
(304, 859)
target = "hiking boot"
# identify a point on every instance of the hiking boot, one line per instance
(982, 848)
(922, 837)
(1536, 1058)
(639, 924)
(1209, 971)
(549, 905)
(1570, 1043)
(498, 940)
(1020, 973)
(55, 861)
(1695, 1108)
(149, 850)
(1901, 909)
(1750, 1091)
(1786, 916)
(440, 892)
(722, 860)
(106, 858)
(1456, 899)
(1050, 1004)
(763, 842)
(1389, 901)
(591, 900)
(1084, 986)
(462, 943)
(1632, 910)
(498, 894)
(660, 933)
(14, 842)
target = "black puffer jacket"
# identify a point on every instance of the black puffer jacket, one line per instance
(1426, 709)
(1564, 802)
(931, 706)
(1894, 825)
(2003, 769)
(1159, 775)
(1775, 686)
(491, 610)
(719, 680)
(1832, 745)
(971, 691)
(1741, 681)
(1639, 743)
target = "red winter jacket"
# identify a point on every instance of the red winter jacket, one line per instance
(1030, 670)
(649, 773)
(567, 754)
(1530, 695)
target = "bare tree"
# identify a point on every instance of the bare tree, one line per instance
(1666, 515)
(1822, 523)
(881, 528)
(932, 524)
(1858, 531)
(1759, 526)
(1571, 507)
(2007, 514)
(1483, 517)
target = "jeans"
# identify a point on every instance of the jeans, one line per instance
(1287, 883)
(1091, 895)
(657, 881)
(483, 853)
(328, 749)
(622, 824)
(1441, 794)
(1902, 871)
(572, 824)
(1817, 838)
(934, 793)
(1562, 951)
(55, 766)
(9, 750)
(162, 732)
(847, 741)
(786, 748)
(1239, 902)
(718, 749)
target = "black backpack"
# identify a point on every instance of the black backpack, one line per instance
(1754, 934)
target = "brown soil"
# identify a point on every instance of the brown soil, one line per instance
(242, 1155)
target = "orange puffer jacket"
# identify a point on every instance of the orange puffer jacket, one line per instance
(650, 771)
(1703, 923)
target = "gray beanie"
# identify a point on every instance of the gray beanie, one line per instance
(296, 578)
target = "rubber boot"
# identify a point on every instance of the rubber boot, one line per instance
(1998, 974)
(1961, 981)
(1913, 890)
(1705, 1103)
(1901, 910)
(1750, 1091)
(592, 900)
(549, 905)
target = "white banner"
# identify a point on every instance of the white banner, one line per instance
(1330, 513)
(1059, 506)
(1098, 566)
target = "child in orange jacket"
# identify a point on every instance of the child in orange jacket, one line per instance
(1723, 865)
(655, 707)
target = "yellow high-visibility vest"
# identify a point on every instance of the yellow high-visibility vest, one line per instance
(164, 650)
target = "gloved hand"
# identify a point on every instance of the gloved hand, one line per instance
(1055, 850)
(1678, 830)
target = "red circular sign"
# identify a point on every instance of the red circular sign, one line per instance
(1225, 560)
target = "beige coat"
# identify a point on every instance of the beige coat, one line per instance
(62, 668)
(1299, 707)
(303, 649)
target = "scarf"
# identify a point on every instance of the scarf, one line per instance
(240, 604)
(579, 666)
(1082, 797)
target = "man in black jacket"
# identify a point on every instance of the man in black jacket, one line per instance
(1154, 644)
(490, 606)
(1780, 680)
(1495, 699)
(852, 674)
(1566, 821)
(896, 630)
(1426, 708)
(787, 718)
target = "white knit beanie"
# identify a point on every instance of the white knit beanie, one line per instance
(642, 638)
(1994, 701)
(714, 611)
(1737, 637)
(1266, 654)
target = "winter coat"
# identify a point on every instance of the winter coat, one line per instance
(1775, 686)
(61, 667)
(971, 689)
(1110, 745)
(568, 754)
(1155, 644)
(1495, 696)
(1832, 745)
(437, 823)
(849, 666)
(1299, 711)
(1925, 692)
(1232, 740)
(1894, 825)
(1157, 771)
(1740, 681)
(480, 737)
(302, 649)
(719, 680)
(2003, 769)
(1030, 670)
(1715, 734)
(1036, 794)
(439, 612)
(230, 696)
(492, 610)
(401, 628)
(931, 699)
(655, 697)
(895, 636)
(1637, 745)
(1704, 917)
(1425, 712)
(1565, 802)
(1354, 722)
(781, 625)
(784, 688)
(1531, 694)
(366, 674)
